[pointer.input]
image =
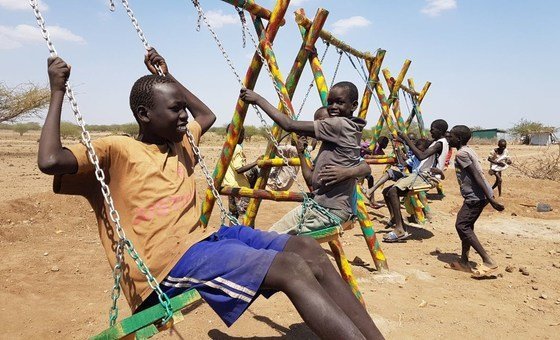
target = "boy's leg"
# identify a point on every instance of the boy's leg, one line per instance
(394, 204)
(461, 225)
(466, 217)
(290, 274)
(498, 182)
(331, 281)
(389, 207)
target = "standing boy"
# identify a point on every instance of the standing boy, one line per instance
(477, 193)
(340, 135)
(153, 185)
(499, 161)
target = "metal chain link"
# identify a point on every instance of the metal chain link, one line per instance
(100, 175)
(241, 14)
(200, 11)
(339, 51)
(224, 213)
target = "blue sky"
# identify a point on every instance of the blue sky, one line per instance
(491, 63)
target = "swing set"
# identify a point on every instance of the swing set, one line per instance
(169, 311)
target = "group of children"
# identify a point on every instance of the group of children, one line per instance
(153, 184)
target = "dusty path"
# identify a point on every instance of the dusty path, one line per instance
(56, 281)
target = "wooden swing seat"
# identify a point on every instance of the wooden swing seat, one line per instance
(143, 325)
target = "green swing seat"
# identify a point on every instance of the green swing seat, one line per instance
(143, 324)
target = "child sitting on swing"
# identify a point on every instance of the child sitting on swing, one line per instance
(153, 185)
(334, 191)
(430, 169)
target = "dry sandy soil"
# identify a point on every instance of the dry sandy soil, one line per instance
(56, 281)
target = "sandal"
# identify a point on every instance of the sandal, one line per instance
(392, 237)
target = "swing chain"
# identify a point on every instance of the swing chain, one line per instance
(216, 39)
(136, 27)
(210, 181)
(339, 51)
(241, 14)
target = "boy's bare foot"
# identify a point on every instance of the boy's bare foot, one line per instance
(459, 266)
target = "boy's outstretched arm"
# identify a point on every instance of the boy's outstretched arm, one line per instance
(421, 155)
(486, 188)
(302, 128)
(53, 159)
(201, 113)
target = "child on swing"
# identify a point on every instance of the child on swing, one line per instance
(499, 161)
(153, 184)
(340, 134)
(430, 168)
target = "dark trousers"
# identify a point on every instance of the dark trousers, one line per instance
(466, 217)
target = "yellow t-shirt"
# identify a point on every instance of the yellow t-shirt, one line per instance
(232, 178)
(153, 188)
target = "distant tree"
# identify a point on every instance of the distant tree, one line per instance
(22, 101)
(69, 130)
(476, 128)
(22, 128)
(524, 128)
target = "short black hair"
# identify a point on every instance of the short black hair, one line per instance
(463, 132)
(352, 89)
(502, 141)
(441, 125)
(141, 93)
(383, 140)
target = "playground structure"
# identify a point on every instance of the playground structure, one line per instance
(163, 315)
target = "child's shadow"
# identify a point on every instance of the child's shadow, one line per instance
(449, 258)
(295, 331)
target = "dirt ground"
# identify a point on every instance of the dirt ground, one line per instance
(56, 281)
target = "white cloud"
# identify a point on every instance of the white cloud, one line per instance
(297, 3)
(218, 19)
(21, 5)
(434, 8)
(15, 37)
(342, 26)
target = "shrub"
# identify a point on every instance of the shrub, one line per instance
(69, 130)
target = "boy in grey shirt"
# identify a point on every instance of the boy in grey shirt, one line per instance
(477, 192)
(340, 134)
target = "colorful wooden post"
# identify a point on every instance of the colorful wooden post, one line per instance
(287, 93)
(232, 137)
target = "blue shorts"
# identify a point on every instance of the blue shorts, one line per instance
(227, 269)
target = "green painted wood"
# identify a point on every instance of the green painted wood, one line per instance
(153, 314)
(322, 232)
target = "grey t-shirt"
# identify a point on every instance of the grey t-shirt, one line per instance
(340, 146)
(470, 190)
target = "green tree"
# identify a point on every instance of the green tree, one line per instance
(69, 130)
(22, 128)
(22, 101)
(524, 128)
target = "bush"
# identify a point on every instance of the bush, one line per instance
(546, 166)
(69, 130)
(22, 128)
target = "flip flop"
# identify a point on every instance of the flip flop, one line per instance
(484, 271)
(459, 267)
(376, 205)
(392, 237)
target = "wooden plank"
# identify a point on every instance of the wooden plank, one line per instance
(148, 316)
